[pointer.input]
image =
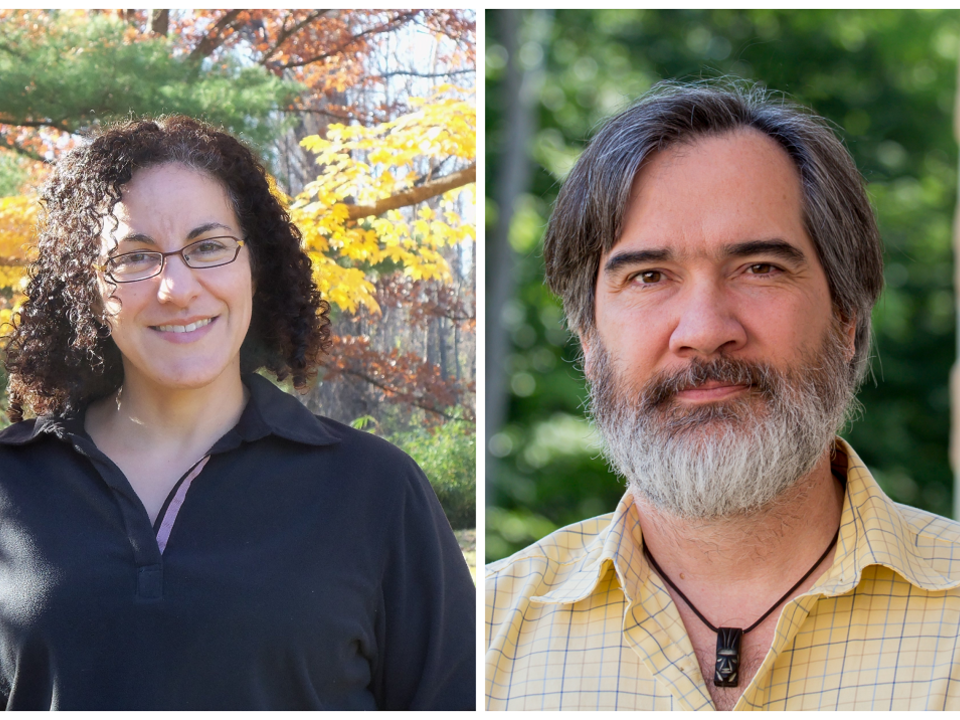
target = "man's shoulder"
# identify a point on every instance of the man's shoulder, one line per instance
(936, 539)
(930, 526)
(546, 563)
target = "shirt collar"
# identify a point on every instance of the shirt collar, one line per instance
(269, 411)
(619, 546)
(874, 530)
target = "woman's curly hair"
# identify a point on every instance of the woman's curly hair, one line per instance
(60, 355)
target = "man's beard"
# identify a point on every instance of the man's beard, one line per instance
(728, 457)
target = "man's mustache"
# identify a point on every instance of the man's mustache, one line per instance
(664, 386)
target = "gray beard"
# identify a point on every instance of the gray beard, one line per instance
(725, 458)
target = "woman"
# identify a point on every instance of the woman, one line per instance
(175, 531)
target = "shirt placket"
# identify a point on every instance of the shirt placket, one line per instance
(140, 533)
(654, 630)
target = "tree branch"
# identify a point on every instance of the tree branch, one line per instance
(17, 148)
(215, 37)
(410, 73)
(385, 27)
(393, 391)
(57, 125)
(414, 195)
(286, 33)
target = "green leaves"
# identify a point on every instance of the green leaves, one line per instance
(887, 79)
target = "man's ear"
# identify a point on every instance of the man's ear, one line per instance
(850, 335)
(586, 343)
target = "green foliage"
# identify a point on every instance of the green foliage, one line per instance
(448, 457)
(12, 174)
(77, 72)
(885, 77)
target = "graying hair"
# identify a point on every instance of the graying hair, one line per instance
(588, 217)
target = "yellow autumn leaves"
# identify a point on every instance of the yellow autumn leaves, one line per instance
(360, 166)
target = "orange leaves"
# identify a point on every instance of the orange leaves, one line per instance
(400, 377)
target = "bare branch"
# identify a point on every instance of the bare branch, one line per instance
(286, 33)
(393, 391)
(410, 73)
(9, 144)
(385, 27)
(417, 194)
(215, 37)
(56, 124)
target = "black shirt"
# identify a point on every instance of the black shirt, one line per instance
(310, 566)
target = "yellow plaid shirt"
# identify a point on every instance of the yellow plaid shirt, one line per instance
(580, 622)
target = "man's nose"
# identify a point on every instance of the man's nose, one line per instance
(178, 283)
(707, 323)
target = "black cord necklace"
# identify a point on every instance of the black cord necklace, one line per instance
(728, 639)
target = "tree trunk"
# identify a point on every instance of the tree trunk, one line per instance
(160, 22)
(520, 93)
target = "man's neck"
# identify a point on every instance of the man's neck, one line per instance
(753, 548)
(734, 569)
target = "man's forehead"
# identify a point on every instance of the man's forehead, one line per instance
(717, 191)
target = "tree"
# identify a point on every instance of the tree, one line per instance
(386, 200)
(886, 78)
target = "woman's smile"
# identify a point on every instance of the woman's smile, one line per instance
(185, 333)
(205, 310)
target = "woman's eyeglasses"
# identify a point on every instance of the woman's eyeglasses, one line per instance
(145, 264)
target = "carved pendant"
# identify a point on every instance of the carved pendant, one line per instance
(728, 657)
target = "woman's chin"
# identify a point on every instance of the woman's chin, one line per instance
(185, 376)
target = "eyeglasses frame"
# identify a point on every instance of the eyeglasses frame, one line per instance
(165, 255)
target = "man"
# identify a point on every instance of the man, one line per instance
(718, 258)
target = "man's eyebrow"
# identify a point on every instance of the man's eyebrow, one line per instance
(635, 257)
(778, 248)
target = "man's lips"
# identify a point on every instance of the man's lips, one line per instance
(710, 391)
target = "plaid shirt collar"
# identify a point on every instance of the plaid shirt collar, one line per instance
(874, 530)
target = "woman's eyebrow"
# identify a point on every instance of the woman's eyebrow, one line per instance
(196, 232)
(135, 237)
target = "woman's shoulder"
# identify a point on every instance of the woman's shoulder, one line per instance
(21, 433)
(364, 446)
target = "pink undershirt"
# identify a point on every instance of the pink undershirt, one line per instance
(170, 516)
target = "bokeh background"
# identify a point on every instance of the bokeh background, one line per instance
(887, 78)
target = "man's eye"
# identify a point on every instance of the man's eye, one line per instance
(761, 269)
(648, 277)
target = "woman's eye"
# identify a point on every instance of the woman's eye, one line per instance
(131, 259)
(209, 246)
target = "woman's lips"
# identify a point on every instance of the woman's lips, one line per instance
(185, 332)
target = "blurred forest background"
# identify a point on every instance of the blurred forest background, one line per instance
(367, 121)
(887, 78)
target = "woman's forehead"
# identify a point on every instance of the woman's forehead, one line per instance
(168, 202)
